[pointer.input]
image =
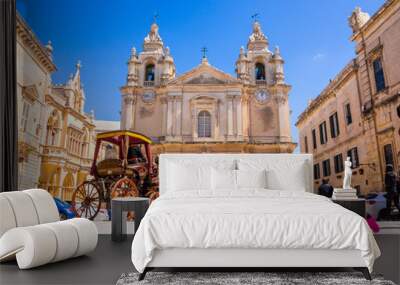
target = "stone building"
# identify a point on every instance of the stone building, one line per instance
(358, 113)
(206, 109)
(34, 69)
(68, 144)
(56, 137)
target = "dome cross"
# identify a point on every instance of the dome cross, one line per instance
(204, 50)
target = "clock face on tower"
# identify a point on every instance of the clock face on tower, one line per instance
(261, 96)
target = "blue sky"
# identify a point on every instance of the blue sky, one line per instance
(313, 36)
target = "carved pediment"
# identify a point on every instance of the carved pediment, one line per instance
(30, 93)
(205, 79)
(204, 74)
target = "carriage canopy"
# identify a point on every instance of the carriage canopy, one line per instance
(123, 139)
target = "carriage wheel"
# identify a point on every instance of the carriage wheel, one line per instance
(86, 200)
(125, 187)
(153, 193)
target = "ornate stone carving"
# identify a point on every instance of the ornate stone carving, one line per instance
(133, 68)
(168, 70)
(30, 92)
(257, 40)
(278, 61)
(242, 65)
(280, 98)
(357, 19)
(153, 41)
(205, 79)
(129, 100)
(153, 35)
(257, 34)
(148, 97)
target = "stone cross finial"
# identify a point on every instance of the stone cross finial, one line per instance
(255, 16)
(78, 64)
(204, 50)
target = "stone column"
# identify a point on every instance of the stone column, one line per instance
(178, 116)
(284, 117)
(125, 107)
(245, 116)
(239, 125)
(229, 113)
(217, 119)
(164, 107)
(133, 113)
(170, 115)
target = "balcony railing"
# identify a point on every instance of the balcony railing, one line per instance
(261, 82)
(54, 151)
(148, 83)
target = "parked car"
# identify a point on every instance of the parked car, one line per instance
(376, 204)
(64, 209)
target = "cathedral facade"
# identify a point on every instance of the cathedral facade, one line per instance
(206, 109)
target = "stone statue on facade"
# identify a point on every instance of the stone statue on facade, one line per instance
(257, 34)
(347, 174)
(357, 19)
(167, 51)
(153, 36)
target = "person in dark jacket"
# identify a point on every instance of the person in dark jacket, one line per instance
(392, 195)
(325, 189)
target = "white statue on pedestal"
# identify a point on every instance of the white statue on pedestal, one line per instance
(347, 174)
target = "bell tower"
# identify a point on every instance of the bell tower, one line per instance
(261, 72)
(148, 72)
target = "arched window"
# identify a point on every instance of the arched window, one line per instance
(52, 185)
(149, 76)
(260, 71)
(68, 187)
(204, 125)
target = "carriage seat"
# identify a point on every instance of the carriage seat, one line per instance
(112, 167)
(31, 232)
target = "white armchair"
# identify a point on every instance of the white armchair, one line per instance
(31, 232)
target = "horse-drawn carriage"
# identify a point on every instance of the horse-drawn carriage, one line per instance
(129, 172)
